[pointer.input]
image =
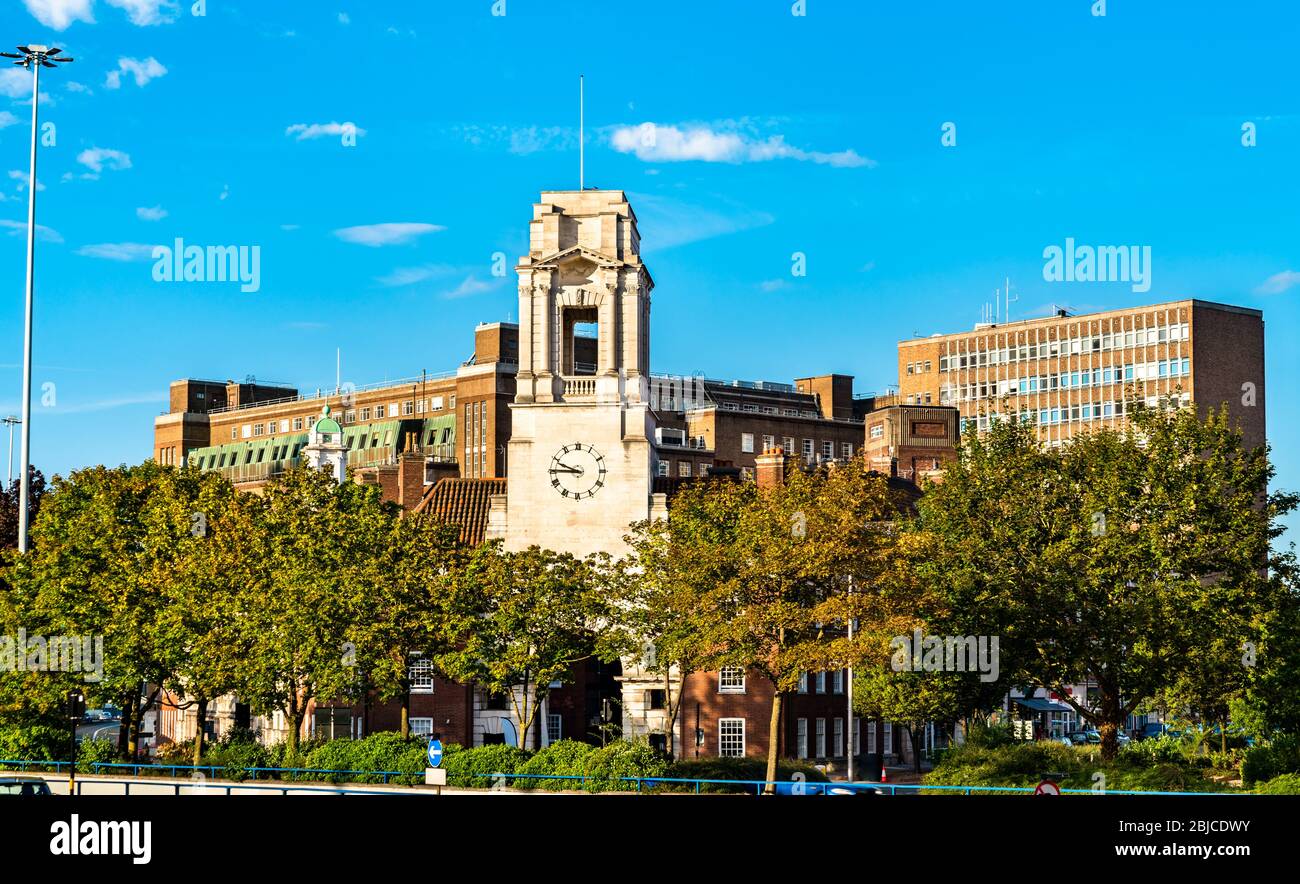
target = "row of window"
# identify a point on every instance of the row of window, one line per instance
(684, 468)
(918, 367)
(787, 446)
(768, 409)
(1141, 337)
(368, 413)
(731, 680)
(819, 735)
(1086, 411)
(1066, 380)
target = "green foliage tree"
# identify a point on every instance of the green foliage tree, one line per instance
(1117, 558)
(519, 621)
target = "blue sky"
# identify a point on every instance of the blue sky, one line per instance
(775, 134)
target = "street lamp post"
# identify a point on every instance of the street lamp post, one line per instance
(33, 57)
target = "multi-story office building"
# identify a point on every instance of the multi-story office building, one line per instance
(1071, 373)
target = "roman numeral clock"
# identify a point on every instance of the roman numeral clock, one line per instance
(577, 471)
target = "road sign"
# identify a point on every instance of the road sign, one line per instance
(435, 752)
(1047, 787)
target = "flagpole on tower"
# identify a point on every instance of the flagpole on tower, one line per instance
(580, 134)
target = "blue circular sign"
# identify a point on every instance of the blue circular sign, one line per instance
(435, 753)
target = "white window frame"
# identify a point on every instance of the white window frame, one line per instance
(725, 724)
(729, 682)
(837, 681)
(421, 727)
(747, 443)
(801, 738)
(821, 682)
(820, 737)
(419, 676)
(554, 727)
(837, 738)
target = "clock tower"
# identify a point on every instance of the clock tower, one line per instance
(580, 448)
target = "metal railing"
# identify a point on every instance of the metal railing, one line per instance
(337, 394)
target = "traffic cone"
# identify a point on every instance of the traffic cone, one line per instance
(884, 774)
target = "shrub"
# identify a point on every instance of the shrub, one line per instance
(561, 758)
(716, 768)
(1263, 763)
(608, 764)
(989, 735)
(472, 768)
(176, 752)
(91, 751)
(33, 743)
(1286, 784)
(236, 750)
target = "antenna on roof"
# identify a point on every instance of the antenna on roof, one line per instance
(580, 135)
(338, 369)
(1010, 299)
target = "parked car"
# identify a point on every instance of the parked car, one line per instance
(14, 785)
(1154, 729)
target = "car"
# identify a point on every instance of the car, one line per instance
(13, 785)
(1154, 729)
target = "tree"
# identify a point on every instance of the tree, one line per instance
(1113, 558)
(10, 499)
(298, 551)
(915, 699)
(410, 581)
(758, 577)
(520, 621)
(104, 549)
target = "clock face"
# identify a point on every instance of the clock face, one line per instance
(577, 471)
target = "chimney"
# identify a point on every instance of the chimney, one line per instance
(769, 468)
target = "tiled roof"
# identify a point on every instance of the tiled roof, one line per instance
(462, 502)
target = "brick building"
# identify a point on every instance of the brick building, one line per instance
(1071, 373)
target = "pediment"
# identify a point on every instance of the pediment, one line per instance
(576, 254)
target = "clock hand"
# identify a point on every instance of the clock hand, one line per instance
(565, 468)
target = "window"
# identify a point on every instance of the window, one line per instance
(350, 417)
(246, 430)
(821, 738)
(807, 449)
(837, 681)
(821, 682)
(421, 727)
(877, 430)
(684, 468)
(420, 677)
(495, 703)
(927, 365)
(654, 699)
(837, 738)
(379, 411)
(846, 449)
(365, 414)
(731, 737)
(857, 736)
(769, 442)
(927, 398)
(911, 368)
(663, 467)
(554, 727)
(408, 407)
(731, 680)
(234, 432)
(828, 450)
(803, 682)
(747, 442)
(435, 404)
(802, 737)
(787, 445)
(333, 722)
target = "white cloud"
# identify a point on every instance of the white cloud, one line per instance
(141, 71)
(21, 177)
(118, 251)
(19, 228)
(1278, 283)
(74, 86)
(394, 233)
(470, 286)
(147, 12)
(307, 131)
(411, 275)
(344, 19)
(225, 192)
(96, 158)
(694, 141)
(58, 14)
(15, 83)
(157, 213)
(7, 119)
(532, 139)
(772, 285)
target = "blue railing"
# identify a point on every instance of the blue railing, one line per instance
(790, 787)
